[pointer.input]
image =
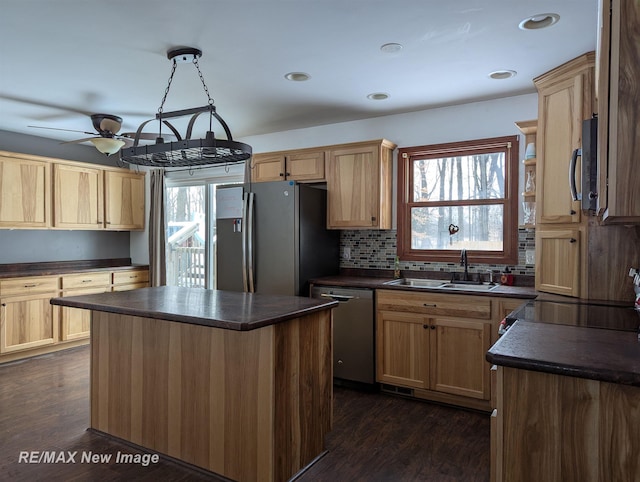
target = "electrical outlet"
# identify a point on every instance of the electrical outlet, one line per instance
(346, 253)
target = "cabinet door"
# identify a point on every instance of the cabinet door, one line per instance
(27, 322)
(75, 323)
(402, 349)
(24, 193)
(353, 187)
(558, 261)
(78, 197)
(268, 167)
(124, 200)
(565, 99)
(458, 364)
(305, 166)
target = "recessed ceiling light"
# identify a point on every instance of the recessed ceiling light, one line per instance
(502, 74)
(297, 76)
(542, 20)
(391, 48)
(378, 96)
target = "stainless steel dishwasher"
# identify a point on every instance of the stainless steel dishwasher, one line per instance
(353, 333)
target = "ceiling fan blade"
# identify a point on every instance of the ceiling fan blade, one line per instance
(145, 135)
(78, 141)
(58, 129)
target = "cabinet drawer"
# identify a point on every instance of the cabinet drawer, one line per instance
(31, 284)
(86, 280)
(436, 304)
(131, 277)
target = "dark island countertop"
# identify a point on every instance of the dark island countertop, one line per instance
(590, 351)
(218, 309)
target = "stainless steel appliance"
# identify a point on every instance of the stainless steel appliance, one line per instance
(353, 333)
(588, 154)
(271, 238)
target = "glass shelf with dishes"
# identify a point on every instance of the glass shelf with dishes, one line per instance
(529, 129)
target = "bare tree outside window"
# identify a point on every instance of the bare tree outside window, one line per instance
(471, 186)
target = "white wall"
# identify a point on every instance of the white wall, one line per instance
(477, 120)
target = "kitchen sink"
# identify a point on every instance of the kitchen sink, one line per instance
(468, 287)
(441, 284)
(417, 282)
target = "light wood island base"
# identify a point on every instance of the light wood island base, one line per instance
(248, 405)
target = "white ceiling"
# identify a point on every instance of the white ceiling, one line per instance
(65, 59)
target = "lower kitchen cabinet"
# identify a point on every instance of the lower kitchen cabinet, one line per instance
(435, 344)
(554, 427)
(74, 322)
(27, 321)
(30, 325)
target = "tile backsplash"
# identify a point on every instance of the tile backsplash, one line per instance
(370, 249)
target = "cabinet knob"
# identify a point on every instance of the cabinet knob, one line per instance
(4, 304)
(433, 327)
(572, 212)
(425, 327)
(340, 362)
(288, 174)
(429, 305)
(281, 174)
(572, 240)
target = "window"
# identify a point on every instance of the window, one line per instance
(190, 223)
(459, 196)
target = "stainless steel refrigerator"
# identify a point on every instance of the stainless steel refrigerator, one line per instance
(271, 238)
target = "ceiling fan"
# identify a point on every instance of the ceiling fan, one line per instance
(106, 138)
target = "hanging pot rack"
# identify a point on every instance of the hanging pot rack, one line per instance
(186, 152)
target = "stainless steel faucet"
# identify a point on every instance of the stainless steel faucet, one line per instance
(464, 262)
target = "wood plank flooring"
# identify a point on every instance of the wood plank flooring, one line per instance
(44, 406)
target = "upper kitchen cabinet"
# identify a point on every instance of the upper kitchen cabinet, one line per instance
(565, 99)
(78, 197)
(124, 200)
(304, 165)
(359, 185)
(25, 191)
(618, 111)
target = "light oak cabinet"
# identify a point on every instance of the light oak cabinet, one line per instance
(565, 99)
(435, 344)
(618, 111)
(30, 325)
(359, 178)
(78, 197)
(303, 165)
(553, 427)
(75, 323)
(25, 192)
(27, 320)
(558, 261)
(124, 200)
(130, 279)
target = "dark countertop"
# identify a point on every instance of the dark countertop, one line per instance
(594, 353)
(218, 309)
(52, 268)
(525, 292)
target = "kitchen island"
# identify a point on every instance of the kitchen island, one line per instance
(238, 384)
(568, 394)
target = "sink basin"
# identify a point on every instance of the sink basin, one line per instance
(441, 285)
(468, 287)
(417, 282)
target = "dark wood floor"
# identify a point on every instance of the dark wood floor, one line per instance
(44, 406)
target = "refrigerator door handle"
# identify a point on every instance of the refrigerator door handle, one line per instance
(245, 283)
(249, 230)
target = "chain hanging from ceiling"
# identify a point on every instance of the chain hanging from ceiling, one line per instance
(186, 152)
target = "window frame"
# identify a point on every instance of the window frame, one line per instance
(509, 253)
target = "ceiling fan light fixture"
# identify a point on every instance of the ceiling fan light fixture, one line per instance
(187, 152)
(107, 145)
(378, 96)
